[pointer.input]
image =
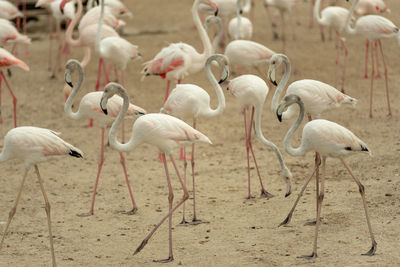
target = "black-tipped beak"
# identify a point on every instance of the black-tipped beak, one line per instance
(70, 84)
(104, 110)
(288, 194)
(216, 12)
(274, 83)
(221, 81)
(241, 12)
(279, 116)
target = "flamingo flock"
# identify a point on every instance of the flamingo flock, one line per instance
(242, 75)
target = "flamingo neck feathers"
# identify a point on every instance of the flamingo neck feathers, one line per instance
(282, 84)
(68, 104)
(99, 25)
(316, 12)
(220, 95)
(347, 24)
(71, 27)
(299, 151)
(112, 136)
(205, 40)
(218, 37)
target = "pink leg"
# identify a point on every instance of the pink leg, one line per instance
(264, 193)
(165, 99)
(57, 65)
(101, 62)
(134, 206)
(386, 80)
(337, 62)
(346, 54)
(283, 33)
(366, 59)
(170, 212)
(372, 81)
(26, 54)
(378, 74)
(13, 97)
(50, 43)
(101, 161)
(106, 72)
(249, 196)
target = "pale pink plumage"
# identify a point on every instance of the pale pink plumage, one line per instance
(368, 7)
(8, 33)
(9, 11)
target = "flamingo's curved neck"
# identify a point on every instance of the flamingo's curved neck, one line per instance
(112, 136)
(218, 90)
(74, 22)
(347, 24)
(205, 40)
(68, 104)
(299, 151)
(316, 11)
(218, 37)
(282, 84)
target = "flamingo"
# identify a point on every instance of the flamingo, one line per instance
(329, 140)
(8, 33)
(334, 17)
(374, 27)
(189, 100)
(8, 60)
(240, 27)
(9, 11)
(114, 49)
(179, 59)
(89, 107)
(370, 7)
(252, 91)
(161, 130)
(246, 53)
(34, 145)
(208, 22)
(117, 8)
(283, 7)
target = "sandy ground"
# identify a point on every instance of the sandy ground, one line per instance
(241, 232)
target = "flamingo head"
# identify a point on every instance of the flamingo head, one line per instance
(286, 102)
(212, 4)
(274, 62)
(110, 90)
(71, 65)
(210, 20)
(62, 5)
(223, 63)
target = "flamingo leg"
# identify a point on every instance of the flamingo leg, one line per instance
(101, 63)
(366, 60)
(14, 209)
(253, 6)
(171, 210)
(283, 32)
(362, 192)
(165, 99)
(378, 74)
(47, 208)
(100, 165)
(346, 53)
(311, 21)
(50, 43)
(57, 65)
(134, 206)
(184, 222)
(275, 35)
(337, 62)
(13, 97)
(264, 193)
(386, 80)
(249, 196)
(320, 198)
(372, 82)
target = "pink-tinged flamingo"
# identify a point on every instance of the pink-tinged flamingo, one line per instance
(117, 8)
(371, 7)
(329, 140)
(374, 27)
(9, 11)
(163, 131)
(8, 60)
(252, 91)
(89, 108)
(34, 145)
(191, 101)
(247, 54)
(334, 17)
(179, 59)
(240, 27)
(8, 33)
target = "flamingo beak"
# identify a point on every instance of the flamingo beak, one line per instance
(279, 116)
(271, 76)
(214, 6)
(103, 104)
(67, 77)
(62, 5)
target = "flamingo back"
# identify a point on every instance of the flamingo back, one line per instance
(8, 60)
(331, 139)
(93, 16)
(376, 27)
(247, 53)
(250, 89)
(334, 16)
(118, 51)
(88, 34)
